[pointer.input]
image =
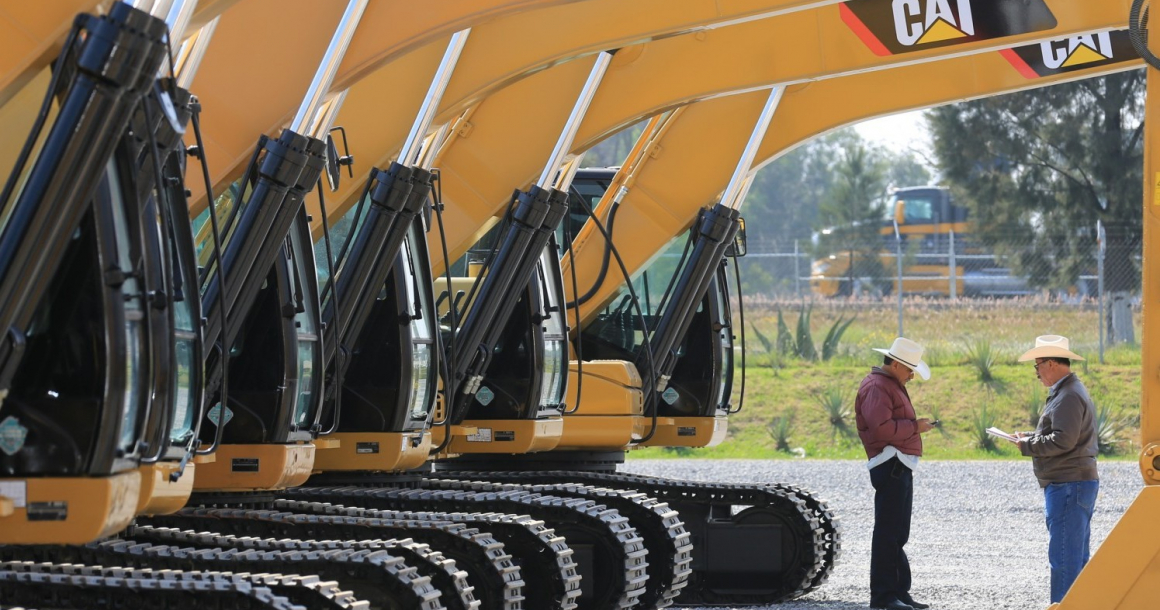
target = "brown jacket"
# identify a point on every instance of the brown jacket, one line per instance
(885, 415)
(1064, 446)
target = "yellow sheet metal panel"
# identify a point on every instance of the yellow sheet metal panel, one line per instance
(1150, 379)
(255, 74)
(598, 432)
(508, 436)
(32, 33)
(1124, 574)
(161, 496)
(688, 431)
(378, 451)
(256, 467)
(68, 510)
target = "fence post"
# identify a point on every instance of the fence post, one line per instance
(1101, 247)
(797, 274)
(898, 254)
(954, 287)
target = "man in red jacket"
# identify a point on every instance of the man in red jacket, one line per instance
(890, 432)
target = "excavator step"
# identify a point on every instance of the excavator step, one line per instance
(669, 546)
(732, 526)
(551, 567)
(497, 581)
(606, 542)
(74, 587)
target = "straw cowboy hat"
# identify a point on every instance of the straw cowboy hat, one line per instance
(909, 354)
(1049, 346)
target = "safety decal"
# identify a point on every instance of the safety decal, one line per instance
(485, 396)
(670, 395)
(12, 435)
(1072, 54)
(215, 415)
(890, 27)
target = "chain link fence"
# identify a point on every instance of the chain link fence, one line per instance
(1093, 271)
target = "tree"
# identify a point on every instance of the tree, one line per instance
(1039, 168)
(852, 213)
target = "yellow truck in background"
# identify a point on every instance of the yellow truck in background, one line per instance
(940, 254)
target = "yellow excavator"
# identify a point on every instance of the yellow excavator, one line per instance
(480, 431)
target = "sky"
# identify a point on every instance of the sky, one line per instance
(899, 132)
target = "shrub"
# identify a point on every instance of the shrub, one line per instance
(981, 419)
(982, 356)
(772, 356)
(838, 405)
(1033, 403)
(1108, 429)
(805, 339)
(779, 430)
(834, 337)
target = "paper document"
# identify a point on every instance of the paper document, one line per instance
(1001, 434)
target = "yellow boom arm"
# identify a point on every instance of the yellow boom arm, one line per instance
(399, 43)
(522, 119)
(698, 152)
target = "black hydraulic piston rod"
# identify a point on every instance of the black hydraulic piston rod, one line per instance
(396, 197)
(288, 169)
(715, 232)
(537, 212)
(106, 73)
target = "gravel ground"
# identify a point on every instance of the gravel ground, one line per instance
(978, 538)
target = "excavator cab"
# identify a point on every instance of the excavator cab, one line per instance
(383, 363)
(516, 408)
(93, 309)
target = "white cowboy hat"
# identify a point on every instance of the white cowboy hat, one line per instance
(1049, 346)
(909, 354)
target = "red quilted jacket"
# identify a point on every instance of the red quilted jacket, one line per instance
(885, 415)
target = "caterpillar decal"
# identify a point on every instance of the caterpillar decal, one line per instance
(890, 27)
(1070, 54)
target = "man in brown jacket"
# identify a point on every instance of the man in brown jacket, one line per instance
(890, 431)
(1063, 452)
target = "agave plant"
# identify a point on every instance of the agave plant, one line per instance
(982, 356)
(1109, 426)
(837, 404)
(779, 430)
(830, 343)
(981, 419)
(1033, 403)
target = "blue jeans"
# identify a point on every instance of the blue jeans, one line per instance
(1069, 523)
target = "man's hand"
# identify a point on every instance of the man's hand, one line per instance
(924, 425)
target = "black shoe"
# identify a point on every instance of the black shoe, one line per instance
(893, 605)
(913, 604)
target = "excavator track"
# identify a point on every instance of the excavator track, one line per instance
(544, 558)
(670, 546)
(707, 510)
(618, 560)
(77, 587)
(497, 581)
(443, 573)
(381, 578)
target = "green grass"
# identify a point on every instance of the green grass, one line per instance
(790, 386)
(954, 395)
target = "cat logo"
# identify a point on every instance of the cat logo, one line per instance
(891, 27)
(1104, 51)
(1077, 51)
(920, 22)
